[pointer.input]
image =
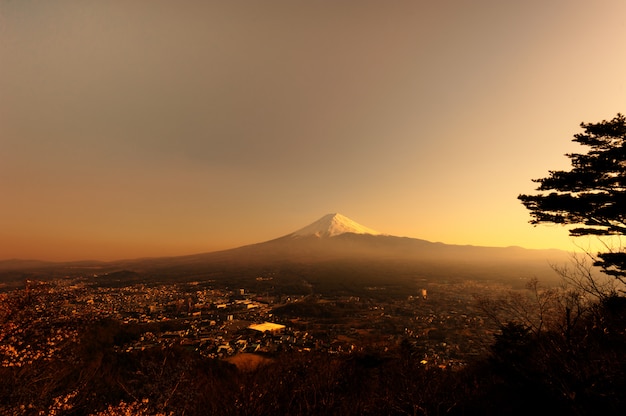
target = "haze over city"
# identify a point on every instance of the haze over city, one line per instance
(131, 129)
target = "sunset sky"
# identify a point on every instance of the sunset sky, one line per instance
(150, 128)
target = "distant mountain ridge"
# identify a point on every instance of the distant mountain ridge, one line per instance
(335, 239)
(332, 239)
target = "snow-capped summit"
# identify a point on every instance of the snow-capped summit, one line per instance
(333, 224)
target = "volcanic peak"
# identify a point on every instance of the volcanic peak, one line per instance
(332, 225)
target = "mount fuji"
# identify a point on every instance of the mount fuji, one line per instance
(335, 241)
(336, 247)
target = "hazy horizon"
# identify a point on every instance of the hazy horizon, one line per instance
(146, 129)
(321, 228)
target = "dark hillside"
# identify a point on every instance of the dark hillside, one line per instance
(349, 258)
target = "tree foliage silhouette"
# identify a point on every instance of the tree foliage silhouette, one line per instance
(592, 194)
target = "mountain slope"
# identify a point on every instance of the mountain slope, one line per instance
(334, 242)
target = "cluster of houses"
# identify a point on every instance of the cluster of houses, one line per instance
(219, 323)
